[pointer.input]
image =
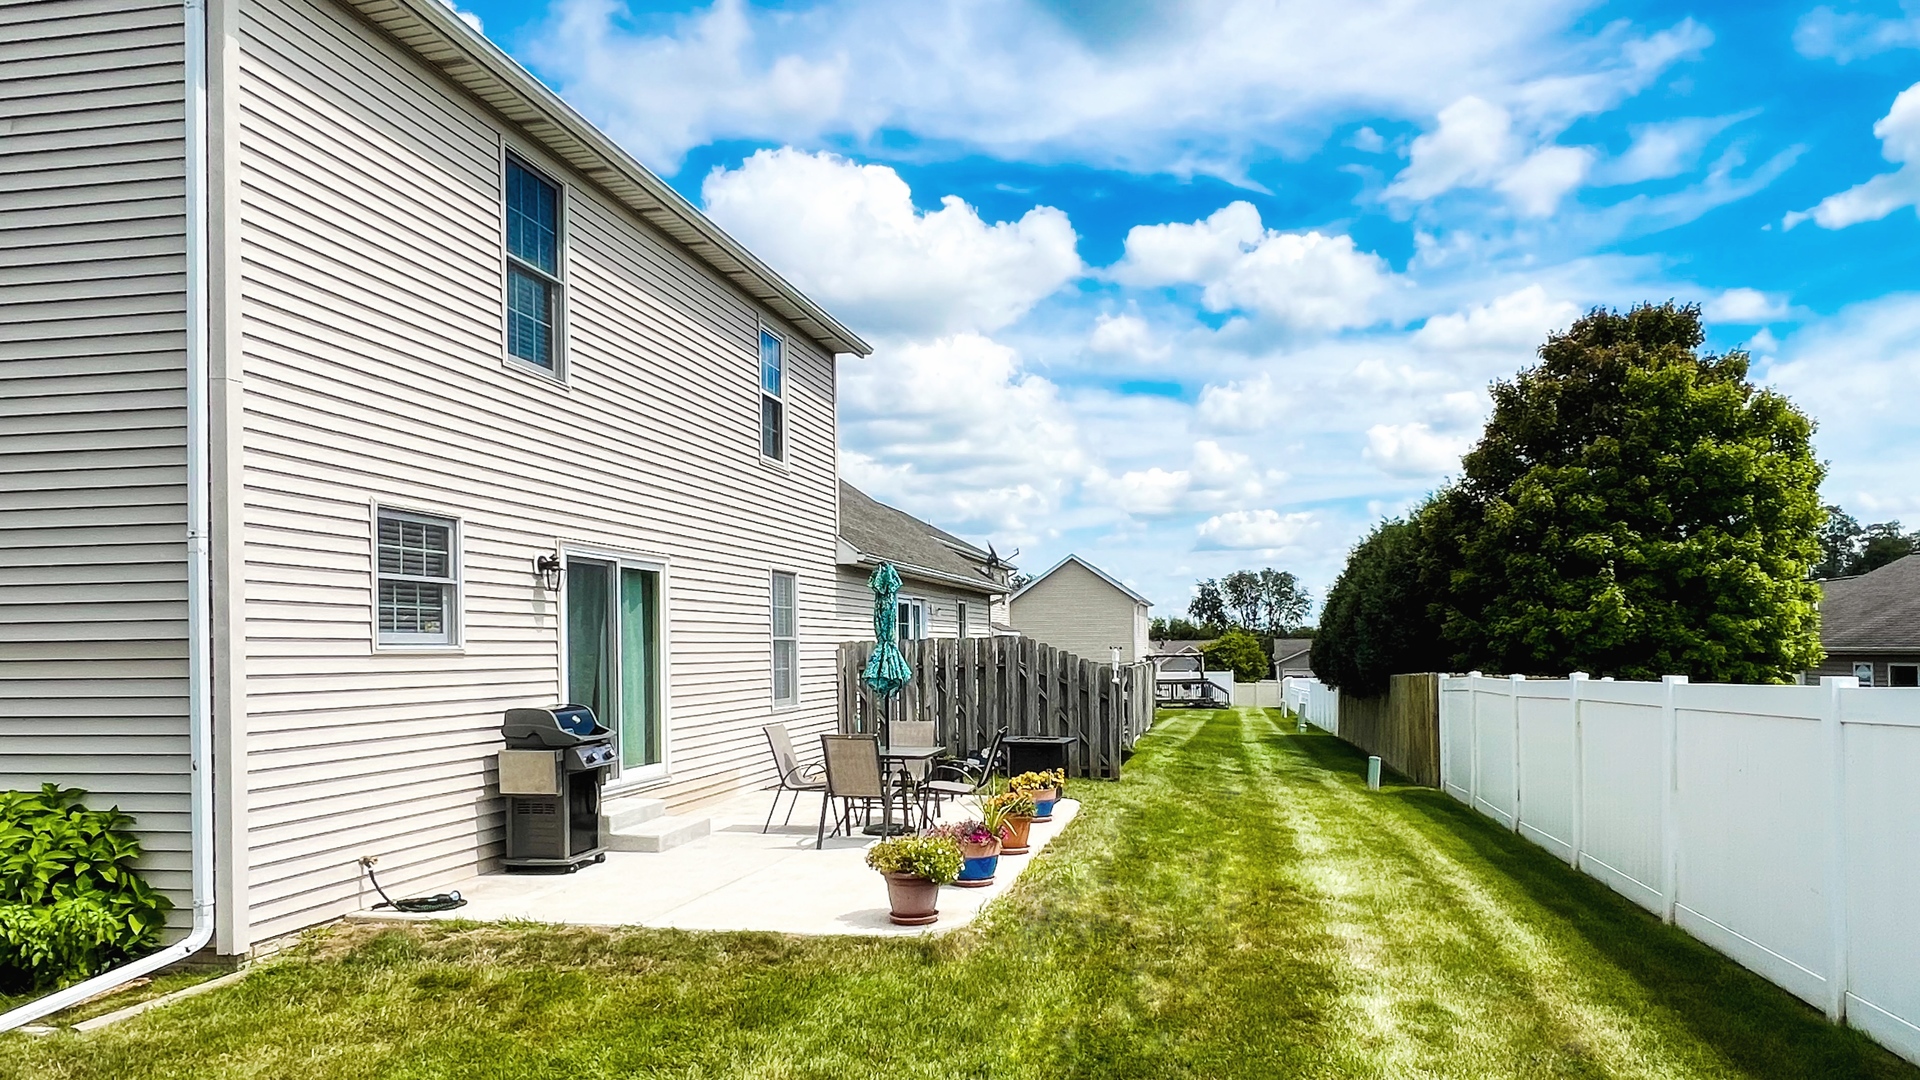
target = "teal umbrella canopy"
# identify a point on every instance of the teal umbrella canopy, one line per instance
(887, 669)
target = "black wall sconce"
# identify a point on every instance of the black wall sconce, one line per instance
(548, 567)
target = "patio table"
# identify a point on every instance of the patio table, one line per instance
(899, 757)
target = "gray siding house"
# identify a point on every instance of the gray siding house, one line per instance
(1081, 608)
(356, 390)
(1870, 625)
(949, 587)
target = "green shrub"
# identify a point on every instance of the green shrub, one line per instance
(71, 904)
(936, 858)
(1241, 653)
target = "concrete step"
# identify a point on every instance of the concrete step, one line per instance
(659, 834)
(619, 814)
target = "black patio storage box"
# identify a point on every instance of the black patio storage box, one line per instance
(1037, 753)
(550, 773)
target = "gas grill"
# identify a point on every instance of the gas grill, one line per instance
(551, 772)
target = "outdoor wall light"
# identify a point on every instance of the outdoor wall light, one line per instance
(548, 567)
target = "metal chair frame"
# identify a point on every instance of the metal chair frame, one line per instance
(795, 775)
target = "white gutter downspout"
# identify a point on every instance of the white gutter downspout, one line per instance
(199, 556)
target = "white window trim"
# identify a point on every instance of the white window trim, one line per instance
(563, 212)
(962, 618)
(919, 604)
(772, 640)
(760, 385)
(649, 775)
(456, 606)
(1890, 670)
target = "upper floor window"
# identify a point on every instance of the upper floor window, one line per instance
(773, 405)
(417, 579)
(964, 618)
(533, 266)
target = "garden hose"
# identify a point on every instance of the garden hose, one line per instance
(445, 901)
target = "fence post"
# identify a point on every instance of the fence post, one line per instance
(1836, 841)
(1670, 785)
(1473, 739)
(1513, 751)
(1576, 682)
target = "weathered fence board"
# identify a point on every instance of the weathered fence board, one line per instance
(1402, 726)
(973, 687)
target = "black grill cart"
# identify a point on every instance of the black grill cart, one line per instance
(550, 773)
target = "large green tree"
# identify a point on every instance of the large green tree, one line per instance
(1381, 614)
(1636, 507)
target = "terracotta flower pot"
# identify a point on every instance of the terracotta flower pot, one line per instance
(913, 900)
(1014, 840)
(1043, 800)
(978, 864)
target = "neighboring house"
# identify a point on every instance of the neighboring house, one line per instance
(1870, 625)
(293, 428)
(949, 587)
(1291, 656)
(1079, 607)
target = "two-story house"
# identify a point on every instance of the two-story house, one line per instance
(354, 389)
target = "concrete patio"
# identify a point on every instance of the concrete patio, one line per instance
(736, 878)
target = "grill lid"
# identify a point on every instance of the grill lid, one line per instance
(552, 729)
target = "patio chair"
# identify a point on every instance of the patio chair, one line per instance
(852, 764)
(968, 776)
(795, 776)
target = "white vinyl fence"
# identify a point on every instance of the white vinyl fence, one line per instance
(1315, 701)
(1779, 824)
(1264, 694)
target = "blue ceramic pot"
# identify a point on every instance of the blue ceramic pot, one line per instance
(975, 873)
(1043, 809)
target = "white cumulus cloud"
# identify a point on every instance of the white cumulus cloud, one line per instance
(1126, 335)
(1745, 306)
(1305, 280)
(851, 237)
(1414, 450)
(1519, 319)
(1265, 531)
(1899, 135)
(1242, 405)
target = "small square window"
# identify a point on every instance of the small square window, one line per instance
(416, 579)
(1903, 674)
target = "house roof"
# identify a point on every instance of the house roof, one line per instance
(1873, 612)
(1291, 649)
(1177, 646)
(432, 32)
(878, 532)
(1104, 576)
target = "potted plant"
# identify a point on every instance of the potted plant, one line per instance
(915, 867)
(1019, 810)
(1043, 787)
(979, 848)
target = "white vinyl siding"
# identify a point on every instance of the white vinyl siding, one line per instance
(373, 323)
(853, 607)
(1075, 609)
(93, 633)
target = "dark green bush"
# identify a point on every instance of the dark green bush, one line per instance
(71, 904)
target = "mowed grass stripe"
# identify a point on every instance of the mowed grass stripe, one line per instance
(1238, 906)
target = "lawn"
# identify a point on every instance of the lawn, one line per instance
(1238, 906)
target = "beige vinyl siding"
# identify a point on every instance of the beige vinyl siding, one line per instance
(93, 634)
(1075, 609)
(854, 606)
(372, 278)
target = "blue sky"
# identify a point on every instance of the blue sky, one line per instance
(1185, 287)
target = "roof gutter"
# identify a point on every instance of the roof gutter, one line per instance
(991, 588)
(199, 557)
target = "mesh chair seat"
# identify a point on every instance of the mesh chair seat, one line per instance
(794, 775)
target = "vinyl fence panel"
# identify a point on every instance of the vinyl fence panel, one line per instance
(1779, 824)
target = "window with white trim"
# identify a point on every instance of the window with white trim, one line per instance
(963, 618)
(773, 404)
(416, 579)
(786, 639)
(913, 620)
(533, 267)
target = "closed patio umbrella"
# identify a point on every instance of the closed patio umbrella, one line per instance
(886, 671)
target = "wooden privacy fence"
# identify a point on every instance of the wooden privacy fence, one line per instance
(1402, 726)
(972, 687)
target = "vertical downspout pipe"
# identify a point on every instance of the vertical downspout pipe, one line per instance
(199, 556)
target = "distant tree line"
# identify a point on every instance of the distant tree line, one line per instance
(1847, 549)
(1634, 507)
(1264, 603)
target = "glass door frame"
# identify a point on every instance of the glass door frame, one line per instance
(627, 779)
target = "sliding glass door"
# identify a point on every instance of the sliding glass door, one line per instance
(613, 660)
